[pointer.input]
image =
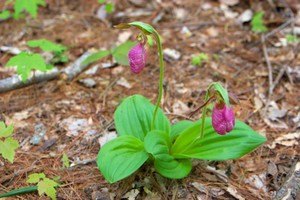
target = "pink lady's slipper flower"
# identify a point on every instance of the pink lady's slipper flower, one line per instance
(137, 58)
(222, 119)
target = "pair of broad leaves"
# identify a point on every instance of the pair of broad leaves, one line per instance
(171, 147)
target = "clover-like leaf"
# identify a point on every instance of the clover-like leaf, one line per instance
(240, 141)
(120, 157)
(134, 117)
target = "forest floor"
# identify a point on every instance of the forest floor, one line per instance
(261, 69)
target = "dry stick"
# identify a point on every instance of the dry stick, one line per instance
(270, 73)
(69, 73)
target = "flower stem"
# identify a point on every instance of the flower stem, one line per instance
(205, 108)
(161, 77)
(204, 114)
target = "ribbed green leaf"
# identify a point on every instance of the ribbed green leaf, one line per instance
(235, 144)
(134, 117)
(120, 157)
(158, 144)
(178, 128)
(146, 28)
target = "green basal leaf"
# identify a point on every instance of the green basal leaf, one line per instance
(172, 168)
(240, 141)
(222, 91)
(145, 28)
(8, 148)
(158, 144)
(120, 157)
(47, 45)
(178, 128)
(186, 137)
(25, 62)
(95, 57)
(134, 117)
(5, 131)
(120, 53)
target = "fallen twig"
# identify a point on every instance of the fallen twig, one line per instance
(69, 73)
(270, 72)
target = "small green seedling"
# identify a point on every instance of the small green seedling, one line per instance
(44, 184)
(5, 14)
(292, 39)
(109, 7)
(30, 6)
(57, 49)
(65, 160)
(8, 145)
(199, 58)
(26, 62)
(257, 23)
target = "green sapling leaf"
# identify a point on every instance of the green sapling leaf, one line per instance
(47, 186)
(120, 53)
(26, 62)
(5, 14)
(36, 177)
(121, 157)
(44, 184)
(134, 117)
(31, 6)
(47, 45)
(8, 148)
(5, 131)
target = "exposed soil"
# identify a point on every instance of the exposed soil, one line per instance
(236, 59)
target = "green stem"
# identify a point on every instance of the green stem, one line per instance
(161, 77)
(204, 109)
(204, 114)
